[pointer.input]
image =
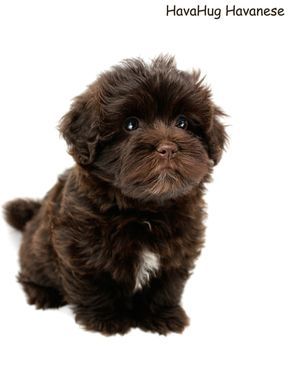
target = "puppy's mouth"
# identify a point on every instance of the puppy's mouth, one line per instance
(166, 165)
(154, 168)
(161, 180)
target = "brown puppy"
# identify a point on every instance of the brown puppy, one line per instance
(118, 235)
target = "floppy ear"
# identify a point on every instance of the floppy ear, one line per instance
(217, 137)
(79, 127)
(215, 133)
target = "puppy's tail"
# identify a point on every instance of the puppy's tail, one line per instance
(19, 211)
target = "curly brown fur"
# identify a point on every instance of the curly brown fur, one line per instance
(118, 235)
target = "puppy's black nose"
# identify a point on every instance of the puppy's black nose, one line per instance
(167, 149)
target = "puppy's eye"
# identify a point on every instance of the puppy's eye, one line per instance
(181, 122)
(131, 123)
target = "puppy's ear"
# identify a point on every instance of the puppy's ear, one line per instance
(79, 127)
(216, 135)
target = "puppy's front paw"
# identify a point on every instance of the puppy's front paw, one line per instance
(165, 320)
(110, 326)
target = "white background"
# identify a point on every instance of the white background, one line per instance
(238, 297)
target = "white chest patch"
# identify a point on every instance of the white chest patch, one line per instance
(148, 266)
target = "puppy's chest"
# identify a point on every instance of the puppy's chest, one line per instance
(135, 246)
(147, 266)
(149, 245)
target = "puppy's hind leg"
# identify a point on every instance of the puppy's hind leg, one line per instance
(39, 270)
(43, 297)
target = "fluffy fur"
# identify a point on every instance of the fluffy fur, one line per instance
(118, 235)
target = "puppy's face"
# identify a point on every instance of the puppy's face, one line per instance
(150, 130)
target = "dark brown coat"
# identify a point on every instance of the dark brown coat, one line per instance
(118, 235)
